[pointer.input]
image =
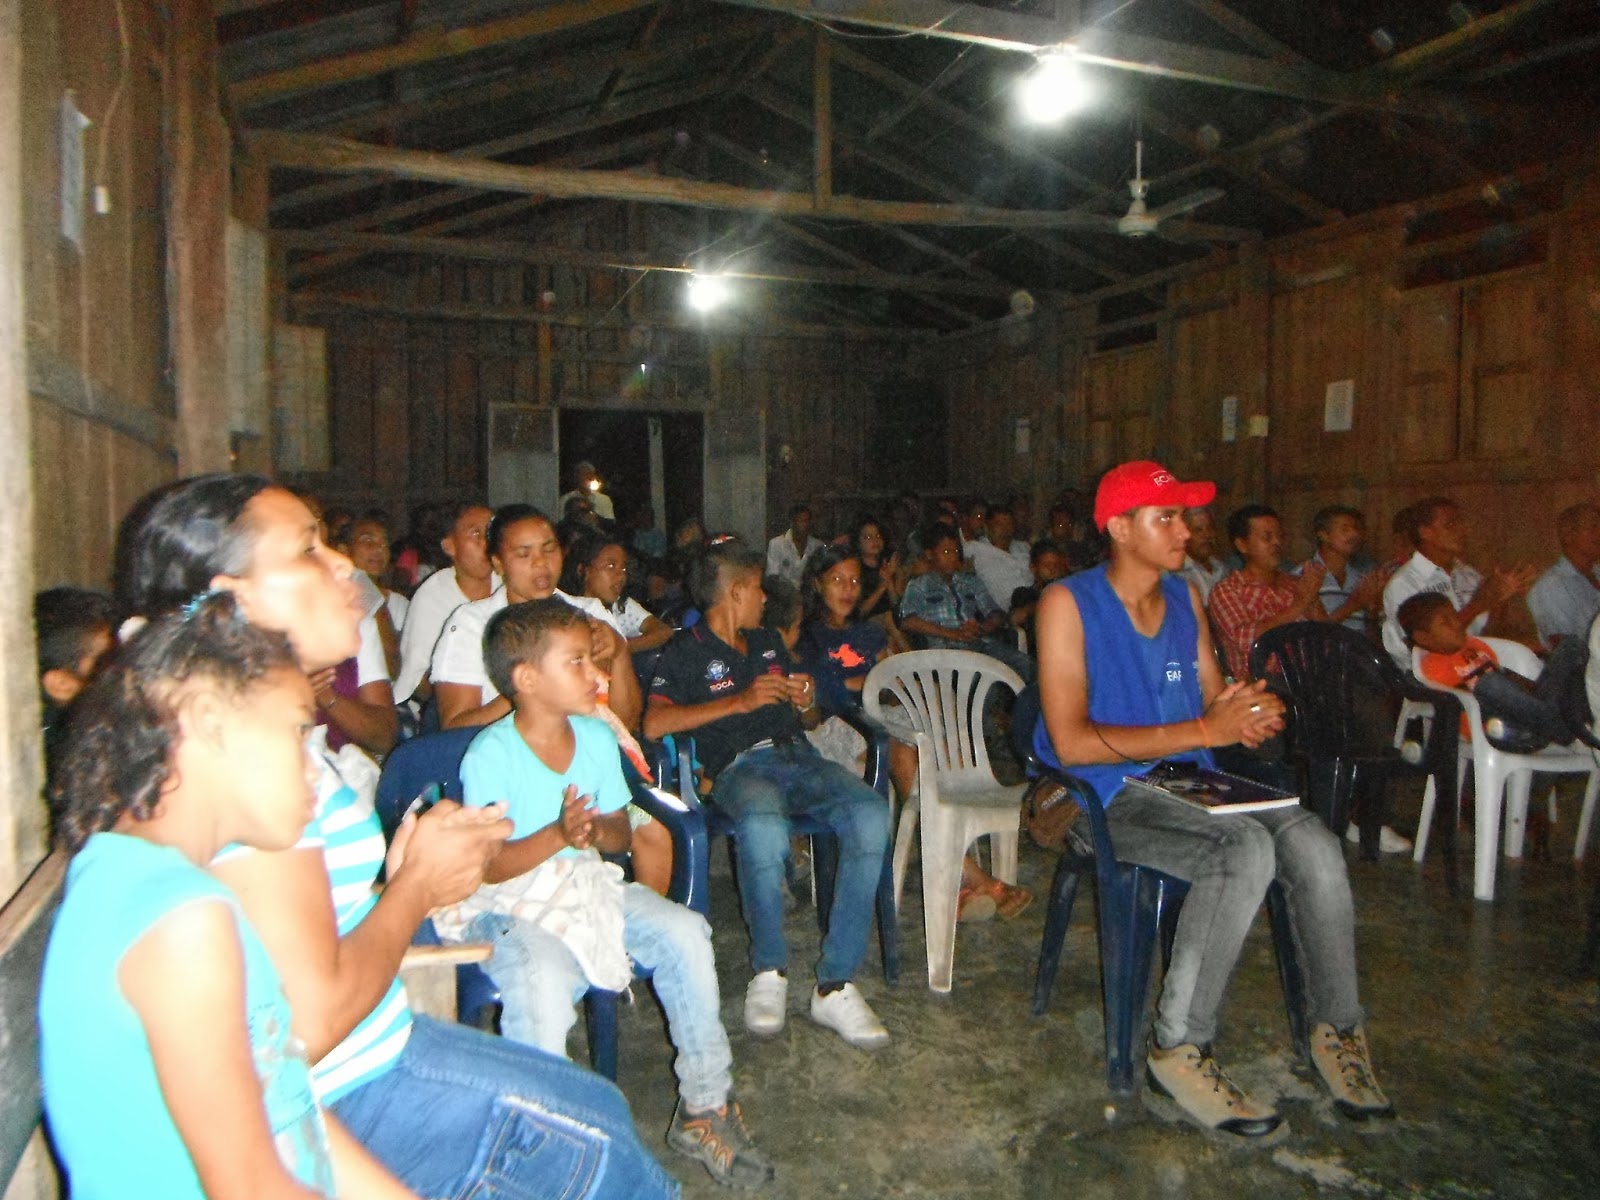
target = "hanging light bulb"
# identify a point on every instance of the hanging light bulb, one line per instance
(707, 292)
(1054, 87)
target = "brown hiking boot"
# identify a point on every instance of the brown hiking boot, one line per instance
(1189, 1077)
(718, 1141)
(1342, 1060)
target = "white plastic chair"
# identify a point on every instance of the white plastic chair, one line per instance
(958, 799)
(1501, 776)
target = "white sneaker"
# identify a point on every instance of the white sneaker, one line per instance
(766, 1003)
(849, 1015)
(1389, 842)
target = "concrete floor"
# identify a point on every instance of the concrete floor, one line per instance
(1482, 1033)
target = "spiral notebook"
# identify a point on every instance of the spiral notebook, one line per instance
(1209, 789)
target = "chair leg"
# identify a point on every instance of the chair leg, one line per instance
(888, 923)
(1290, 975)
(1419, 845)
(942, 851)
(903, 842)
(825, 873)
(1126, 951)
(1486, 813)
(1003, 856)
(1063, 890)
(1518, 785)
(1586, 817)
(600, 1020)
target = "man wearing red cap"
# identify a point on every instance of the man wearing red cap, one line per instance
(1127, 676)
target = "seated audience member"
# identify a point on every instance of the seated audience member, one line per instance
(1022, 517)
(365, 542)
(1127, 676)
(73, 629)
(601, 570)
(470, 577)
(1001, 561)
(168, 1059)
(1565, 600)
(787, 553)
(1520, 715)
(587, 486)
(1047, 562)
(645, 537)
(355, 700)
(557, 772)
(1348, 592)
(1259, 596)
(1437, 529)
(949, 608)
(881, 585)
(732, 684)
(1201, 566)
(838, 650)
(973, 523)
(525, 553)
(336, 941)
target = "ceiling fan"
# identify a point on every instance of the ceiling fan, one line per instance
(1140, 220)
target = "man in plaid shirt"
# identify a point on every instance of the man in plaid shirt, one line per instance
(1259, 596)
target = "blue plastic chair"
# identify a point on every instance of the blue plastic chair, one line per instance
(677, 770)
(1135, 903)
(415, 765)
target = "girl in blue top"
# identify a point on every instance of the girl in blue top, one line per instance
(167, 1054)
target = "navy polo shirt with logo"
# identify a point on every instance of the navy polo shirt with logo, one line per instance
(697, 667)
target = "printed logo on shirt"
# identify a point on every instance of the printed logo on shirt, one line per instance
(847, 657)
(1174, 672)
(769, 654)
(716, 670)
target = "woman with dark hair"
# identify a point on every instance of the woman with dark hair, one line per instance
(838, 649)
(600, 571)
(437, 1104)
(881, 584)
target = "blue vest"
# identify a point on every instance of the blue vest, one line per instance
(1133, 679)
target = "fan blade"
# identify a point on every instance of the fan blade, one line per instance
(1196, 231)
(1094, 221)
(1187, 203)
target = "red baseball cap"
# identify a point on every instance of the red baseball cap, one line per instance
(1136, 484)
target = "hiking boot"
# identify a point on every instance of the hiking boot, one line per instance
(848, 1014)
(718, 1141)
(1345, 1066)
(766, 1003)
(1189, 1077)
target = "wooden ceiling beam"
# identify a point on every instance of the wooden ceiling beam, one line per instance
(487, 250)
(1006, 30)
(313, 152)
(572, 125)
(1246, 31)
(641, 42)
(429, 45)
(559, 72)
(766, 327)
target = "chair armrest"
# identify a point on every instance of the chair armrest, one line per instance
(445, 955)
(685, 820)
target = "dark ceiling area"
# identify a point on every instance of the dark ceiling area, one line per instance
(930, 204)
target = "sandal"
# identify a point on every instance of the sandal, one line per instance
(975, 904)
(1009, 902)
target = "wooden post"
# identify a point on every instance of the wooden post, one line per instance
(822, 174)
(197, 222)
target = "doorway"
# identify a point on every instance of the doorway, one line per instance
(654, 458)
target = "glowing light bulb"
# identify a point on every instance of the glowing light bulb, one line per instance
(1054, 88)
(708, 292)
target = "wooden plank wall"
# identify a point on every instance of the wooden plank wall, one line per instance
(103, 410)
(409, 387)
(1486, 388)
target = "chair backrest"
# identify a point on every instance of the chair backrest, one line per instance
(1514, 656)
(1337, 685)
(414, 764)
(25, 922)
(942, 692)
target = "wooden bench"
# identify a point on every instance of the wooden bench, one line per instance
(24, 930)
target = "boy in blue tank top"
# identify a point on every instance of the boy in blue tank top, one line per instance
(1127, 676)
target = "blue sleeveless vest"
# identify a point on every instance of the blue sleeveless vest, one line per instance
(1133, 679)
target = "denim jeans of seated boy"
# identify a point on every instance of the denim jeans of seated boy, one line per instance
(761, 790)
(464, 1113)
(540, 981)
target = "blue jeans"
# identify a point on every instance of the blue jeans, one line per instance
(540, 981)
(761, 790)
(1228, 862)
(464, 1114)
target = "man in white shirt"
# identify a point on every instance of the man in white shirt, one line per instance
(471, 577)
(1566, 599)
(1439, 532)
(787, 553)
(589, 485)
(1201, 566)
(1001, 562)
